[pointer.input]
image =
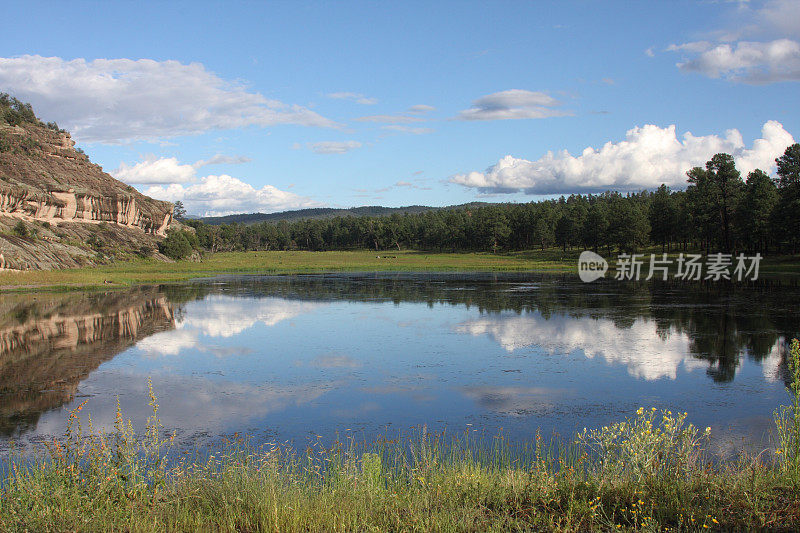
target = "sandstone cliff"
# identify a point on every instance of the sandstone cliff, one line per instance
(58, 209)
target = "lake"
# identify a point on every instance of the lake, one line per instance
(297, 358)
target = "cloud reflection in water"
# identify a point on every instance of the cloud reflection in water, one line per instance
(647, 353)
(221, 316)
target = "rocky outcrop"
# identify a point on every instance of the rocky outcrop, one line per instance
(70, 206)
(46, 184)
(43, 177)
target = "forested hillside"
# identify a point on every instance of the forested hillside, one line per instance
(320, 213)
(720, 210)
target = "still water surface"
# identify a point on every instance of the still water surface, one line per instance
(294, 357)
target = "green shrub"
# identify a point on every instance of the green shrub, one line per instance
(21, 229)
(95, 242)
(145, 251)
(176, 245)
(29, 144)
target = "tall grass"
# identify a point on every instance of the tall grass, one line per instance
(787, 417)
(649, 472)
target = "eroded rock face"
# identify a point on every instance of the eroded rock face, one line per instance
(70, 206)
(45, 181)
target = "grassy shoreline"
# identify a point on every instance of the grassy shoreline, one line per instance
(127, 273)
(649, 472)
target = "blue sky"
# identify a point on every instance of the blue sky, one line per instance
(255, 106)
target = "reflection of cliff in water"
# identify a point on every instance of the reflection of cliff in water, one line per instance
(50, 342)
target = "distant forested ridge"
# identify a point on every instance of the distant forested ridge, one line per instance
(325, 212)
(720, 210)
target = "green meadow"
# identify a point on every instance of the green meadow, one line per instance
(125, 273)
(143, 271)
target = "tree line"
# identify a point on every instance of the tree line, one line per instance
(719, 211)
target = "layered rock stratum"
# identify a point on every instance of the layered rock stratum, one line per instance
(60, 210)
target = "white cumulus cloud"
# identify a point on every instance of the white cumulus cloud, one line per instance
(122, 100)
(648, 157)
(225, 195)
(774, 17)
(513, 104)
(747, 62)
(165, 170)
(155, 170)
(214, 195)
(761, 47)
